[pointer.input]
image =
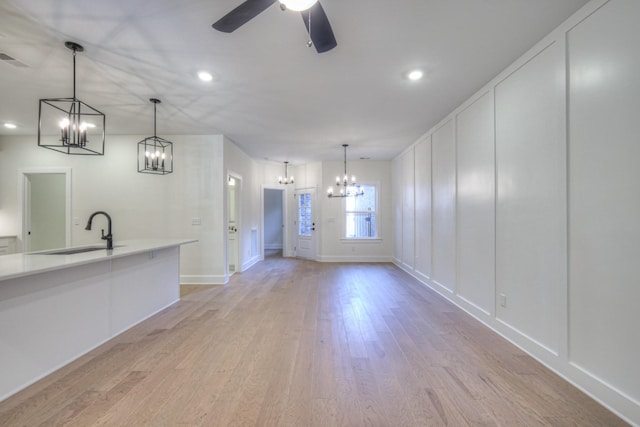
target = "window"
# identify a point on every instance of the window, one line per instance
(304, 214)
(361, 214)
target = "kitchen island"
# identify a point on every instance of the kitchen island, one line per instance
(56, 307)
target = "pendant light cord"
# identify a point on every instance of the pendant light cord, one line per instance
(345, 163)
(155, 104)
(74, 73)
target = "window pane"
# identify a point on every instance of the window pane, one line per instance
(360, 214)
(366, 202)
(304, 214)
(361, 225)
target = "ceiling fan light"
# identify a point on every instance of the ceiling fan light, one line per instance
(298, 5)
(415, 75)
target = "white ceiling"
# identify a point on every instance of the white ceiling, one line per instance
(272, 95)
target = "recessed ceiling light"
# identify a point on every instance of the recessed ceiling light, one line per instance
(415, 75)
(10, 126)
(205, 76)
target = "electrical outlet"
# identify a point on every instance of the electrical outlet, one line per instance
(503, 300)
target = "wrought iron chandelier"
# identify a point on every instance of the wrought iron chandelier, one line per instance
(350, 189)
(287, 179)
(155, 154)
(68, 125)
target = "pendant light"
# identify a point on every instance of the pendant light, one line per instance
(68, 125)
(350, 189)
(287, 179)
(155, 154)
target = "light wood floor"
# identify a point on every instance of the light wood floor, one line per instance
(299, 343)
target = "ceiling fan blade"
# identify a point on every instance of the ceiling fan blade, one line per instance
(321, 33)
(241, 15)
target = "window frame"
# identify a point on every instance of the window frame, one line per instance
(377, 236)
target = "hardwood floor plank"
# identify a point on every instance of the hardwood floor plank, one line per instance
(298, 343)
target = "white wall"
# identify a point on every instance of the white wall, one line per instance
(422, 158)
(604, 202)
(531, 197)
(443, 170)
(249, 221)
(408, 210)
(333, 247)
(534, 208)
(476, 204)
(140, 205)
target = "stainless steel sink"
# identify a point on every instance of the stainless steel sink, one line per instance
(71, 251)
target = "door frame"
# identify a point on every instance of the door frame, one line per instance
(285, 228)
(23, 201)
(238, 213)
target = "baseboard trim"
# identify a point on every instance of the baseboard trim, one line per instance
(202, 280)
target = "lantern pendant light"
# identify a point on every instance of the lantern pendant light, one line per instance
(68, 125)
(155, 154)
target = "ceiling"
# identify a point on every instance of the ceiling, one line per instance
(272, 95)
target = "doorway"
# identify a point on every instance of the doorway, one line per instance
(46, 208)
(273, 214)
(233, 224)
(305, 224)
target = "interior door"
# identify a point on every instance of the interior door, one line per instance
(305, 224)
(45, 221)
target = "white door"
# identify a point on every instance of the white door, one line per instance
(45, 219)
(305, 224)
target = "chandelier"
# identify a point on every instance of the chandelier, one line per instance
(68, 125)
(349, 189)
(287, 179)
(155, 154)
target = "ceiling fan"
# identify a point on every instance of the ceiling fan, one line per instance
(316, 21)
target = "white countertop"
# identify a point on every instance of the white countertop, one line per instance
(25, 264)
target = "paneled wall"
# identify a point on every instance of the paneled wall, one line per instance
(526, 203)
(422, 187)
(443, 170)
(476, 204)
(408, 211)
(531, 197)
(604, 200)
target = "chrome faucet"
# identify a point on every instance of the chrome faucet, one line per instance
(109, 236)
